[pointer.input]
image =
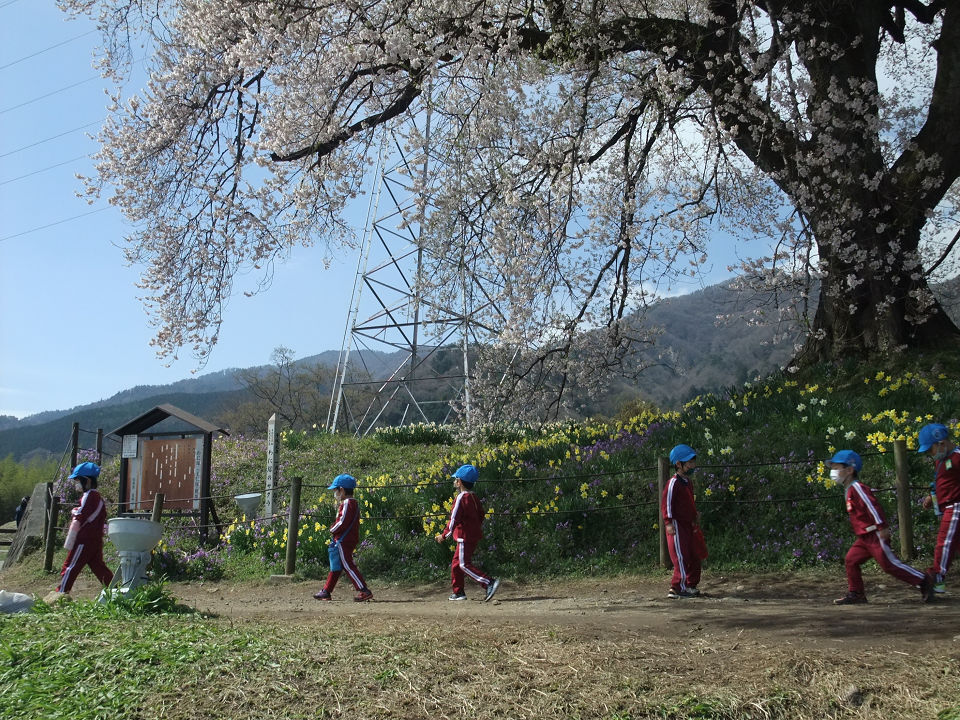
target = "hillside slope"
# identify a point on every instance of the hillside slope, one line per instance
(696, 353)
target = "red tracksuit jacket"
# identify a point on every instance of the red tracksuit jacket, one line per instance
(677, 502)
(866, 515)
(466, 519)
(346, 528)
(91, 513)
(948, 479)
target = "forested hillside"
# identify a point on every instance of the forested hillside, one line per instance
(698, 351)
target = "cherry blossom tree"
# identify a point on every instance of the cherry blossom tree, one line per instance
(580, 156)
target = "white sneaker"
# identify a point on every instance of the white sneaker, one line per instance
(458, 596)
(492, 589)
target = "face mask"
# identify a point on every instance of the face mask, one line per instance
(836, 475)
(690, 472)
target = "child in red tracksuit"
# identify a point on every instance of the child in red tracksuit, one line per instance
(934, 441)
(681, 523)
(85, 537)
(346, 535)
(873, 535)
(465, 525)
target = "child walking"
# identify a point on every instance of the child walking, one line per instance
(873, 535)
(465, 526)
(346, 534)
(681, 522)
(84, 541)
(933, 441)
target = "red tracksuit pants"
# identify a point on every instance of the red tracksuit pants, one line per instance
(872, 546)
(461, 565)
(82, 554)
(686, 561)
(948, 541)
(348, 564)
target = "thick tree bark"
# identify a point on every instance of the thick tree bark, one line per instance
(884, 313)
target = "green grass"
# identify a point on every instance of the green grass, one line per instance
(85, 661)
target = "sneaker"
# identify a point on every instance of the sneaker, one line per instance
(926, 587)
(492, 589)
(851, 598)
(940, 587)
(674, 594)
(322, 595)
(458, 596)
(363, 596)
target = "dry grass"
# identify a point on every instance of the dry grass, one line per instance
(471, 670)
(594, 648)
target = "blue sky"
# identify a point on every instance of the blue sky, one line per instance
(72, 328)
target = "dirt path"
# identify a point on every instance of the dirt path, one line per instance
(768, 609)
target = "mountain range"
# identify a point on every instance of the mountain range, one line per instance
(697, 354)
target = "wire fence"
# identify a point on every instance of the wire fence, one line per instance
(551, 479)
(191, 517)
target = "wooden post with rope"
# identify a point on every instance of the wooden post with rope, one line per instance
(51, 534)
(904, 512)
(663, 477)
(293, 525)
(157, 507)
(74, 445)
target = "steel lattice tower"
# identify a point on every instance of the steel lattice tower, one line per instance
(389, 313)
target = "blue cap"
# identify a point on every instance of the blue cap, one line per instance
(85, 469)
(930, 435)
(349, 482)
(466, 474)
(682, 453)
(847, 457)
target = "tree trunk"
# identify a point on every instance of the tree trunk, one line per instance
(887, 312)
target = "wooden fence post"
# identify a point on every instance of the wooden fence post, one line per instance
(663, 476)
(293, 525)
(157, 507)
(904, 511)
(47, 500)
(51, 534)
(74, 444)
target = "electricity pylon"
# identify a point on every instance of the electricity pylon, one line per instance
(388, 313)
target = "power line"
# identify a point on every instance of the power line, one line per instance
(46, 49)
(48, 225)
(53, 92)
(49, 167)
(63, 89)
(52, 137)
(9, 2)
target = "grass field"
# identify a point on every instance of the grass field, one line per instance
(758, 646)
